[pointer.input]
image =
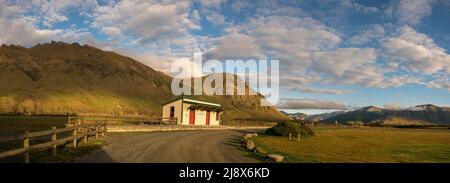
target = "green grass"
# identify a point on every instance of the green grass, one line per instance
(11, 125)
(14, 125)
(371, 145)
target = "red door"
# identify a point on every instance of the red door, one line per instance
(207, 117)
(192, 116)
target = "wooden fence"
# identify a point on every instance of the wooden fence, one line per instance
(79, 131)
(238, 122)
(132, 120)
(160, 121)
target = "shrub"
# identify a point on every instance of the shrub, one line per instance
(284, 128)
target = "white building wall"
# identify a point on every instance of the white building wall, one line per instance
(183, 117)
(200, 117)
(185, 114)
(213, 120)
(177, 114)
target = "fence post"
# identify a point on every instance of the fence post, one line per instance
(96, 131)
(26, 145)
(74, 134)
(85, 131)
(54, 140)
(100, 128)
(290, 136)
(298, 137)
(105, 129)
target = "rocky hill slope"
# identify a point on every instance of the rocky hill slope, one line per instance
(58, 78)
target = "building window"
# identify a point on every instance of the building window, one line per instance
(217, 116)
(172, 111)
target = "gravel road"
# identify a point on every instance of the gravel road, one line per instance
(218, 146)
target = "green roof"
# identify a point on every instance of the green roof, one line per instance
(205, 107)
(189, 98)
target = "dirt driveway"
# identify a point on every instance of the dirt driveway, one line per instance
(219, 146)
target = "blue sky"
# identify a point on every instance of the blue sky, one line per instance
(333, 55)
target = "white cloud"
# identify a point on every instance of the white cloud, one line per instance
(195, 17)
(358, 7)
(393, 106)
(240, 5)
(234, 46)
(350, 66)
(159, 63)
(214, 17)
(23, 32)
(368, 35)
(300, 83)
(306, 89)
(19, 21)
(160, 32)
(416, 52)
(309, 104)
(411, 12)
(291, 40)
(112, 31)
(49, 12)
(8, 10)
(342, 60)
(307, 49)
(211, 3)
(147, 21)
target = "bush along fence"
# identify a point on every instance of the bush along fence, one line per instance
(78, 131)
(243, 122)
(122, 119)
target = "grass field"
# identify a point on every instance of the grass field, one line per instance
(17, 125)
(363, 145)
(13, 125)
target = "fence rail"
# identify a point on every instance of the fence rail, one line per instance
(111, 119)
(78, 132)
(159, 121)
(238, 122)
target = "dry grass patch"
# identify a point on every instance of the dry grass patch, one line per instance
(363, 145)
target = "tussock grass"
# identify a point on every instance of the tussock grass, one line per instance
(363, 145)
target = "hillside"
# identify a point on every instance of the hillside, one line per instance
(69, 78)
(419, 115)
(319, 117)
(365, 115)
(422, 114)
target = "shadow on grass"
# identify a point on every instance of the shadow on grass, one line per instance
(235, 141)
(65, 153)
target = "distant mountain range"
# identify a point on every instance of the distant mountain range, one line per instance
(313, 117)
(295, 116)
(320, 117)
(427, 114)
(60, 78)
